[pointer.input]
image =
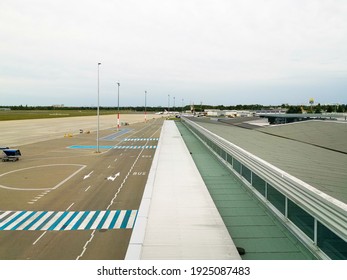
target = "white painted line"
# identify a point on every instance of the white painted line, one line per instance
(39, 166)
(68, 178)
(109, 219)
(9, 218)
(53, 220)
(40, 221)
(88, 175)
(39, 237)
(70, 206)
(87, 189)
(4, 214)
(131, 220)
(86, 245)
(74, 221)
(63, 221)
(32, 218)
(26, 214)
(98, 219)
(86, 220)
(120, 219)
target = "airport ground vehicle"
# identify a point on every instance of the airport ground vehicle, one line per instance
(11, 154)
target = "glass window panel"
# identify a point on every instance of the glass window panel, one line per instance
(276, 198)
(230, 159)
(237, 166)
(246, 173)
(223, 153)
(301, 219)
(259, 184)
(216, 148)
(331, 244)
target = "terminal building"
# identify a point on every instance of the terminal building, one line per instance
(297, 172)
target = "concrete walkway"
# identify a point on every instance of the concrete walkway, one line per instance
(177, 218)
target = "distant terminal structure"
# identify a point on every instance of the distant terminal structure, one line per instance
(227, 113)
(290, 118)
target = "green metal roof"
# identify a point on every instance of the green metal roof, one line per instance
(250, 225)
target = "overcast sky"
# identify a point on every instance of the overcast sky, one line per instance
(211, 51)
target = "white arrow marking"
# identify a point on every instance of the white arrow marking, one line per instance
(88, 175)
(112, 178)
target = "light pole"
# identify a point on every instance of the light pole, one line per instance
(168, 103)
(118, 108)
(98, 113)
(145, 105)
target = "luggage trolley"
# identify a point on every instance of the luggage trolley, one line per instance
(11, 154)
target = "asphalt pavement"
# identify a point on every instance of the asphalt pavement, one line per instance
(63, 200)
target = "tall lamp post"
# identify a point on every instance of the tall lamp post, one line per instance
(168, 103)
(98, 113)
(145, 105)
(182, 105)
(118, 108)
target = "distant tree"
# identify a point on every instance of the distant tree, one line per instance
(318, 109)
(330, 109)
(340, 108)
(294, 110)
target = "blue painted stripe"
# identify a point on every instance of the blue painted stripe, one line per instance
(79, 222)
(35, 220)
(46, 221)
(58, 221)
(96, 214)
(107, 213)
(114, 220)
(23, 221)
(13, 220)
(89, 147)
(126, 219)
(69, 221)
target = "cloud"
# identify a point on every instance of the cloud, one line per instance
(50, 49)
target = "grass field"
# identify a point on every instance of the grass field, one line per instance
(43, 114)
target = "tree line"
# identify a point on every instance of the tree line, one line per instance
(291, 109)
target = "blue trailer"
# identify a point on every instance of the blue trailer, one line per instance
(11, 154)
